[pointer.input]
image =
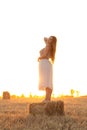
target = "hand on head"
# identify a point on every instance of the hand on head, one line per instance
(45, 40)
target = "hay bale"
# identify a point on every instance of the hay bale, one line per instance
(6, 95)
(48, 108)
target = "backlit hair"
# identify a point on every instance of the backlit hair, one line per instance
(53, 48)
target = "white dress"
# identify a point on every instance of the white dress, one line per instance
(45, 72)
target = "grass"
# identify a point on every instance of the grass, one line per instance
(14, 115)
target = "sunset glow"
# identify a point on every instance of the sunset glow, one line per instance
(23, 25)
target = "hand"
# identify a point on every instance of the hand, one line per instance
(45, 39)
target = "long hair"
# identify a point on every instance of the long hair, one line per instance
(53, 48)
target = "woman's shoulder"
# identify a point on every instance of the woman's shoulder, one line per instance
(48, 47)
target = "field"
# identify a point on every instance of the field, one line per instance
(14, 115)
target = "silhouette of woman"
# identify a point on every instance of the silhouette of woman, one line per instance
(46, 60)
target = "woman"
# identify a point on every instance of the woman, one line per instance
(46, 59)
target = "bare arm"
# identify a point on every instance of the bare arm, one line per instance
(46, 51)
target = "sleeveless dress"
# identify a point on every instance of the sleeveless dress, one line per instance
(45, 71)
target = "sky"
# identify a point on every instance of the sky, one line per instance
(23, 25)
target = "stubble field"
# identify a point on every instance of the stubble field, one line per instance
(14, 115)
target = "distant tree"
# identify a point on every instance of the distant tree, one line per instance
(30, 95)
(72, 91)
(77, 93)
(22, 96)
(13, 96)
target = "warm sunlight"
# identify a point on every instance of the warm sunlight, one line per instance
(22, 29)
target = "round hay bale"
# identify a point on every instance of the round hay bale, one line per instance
(51, 108)
(37, 108)
(47, 108)
(60, 108)
(6, 95)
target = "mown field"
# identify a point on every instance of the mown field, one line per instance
(14, 115)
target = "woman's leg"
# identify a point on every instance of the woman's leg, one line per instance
(48, 94)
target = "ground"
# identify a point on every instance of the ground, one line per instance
(14, 115)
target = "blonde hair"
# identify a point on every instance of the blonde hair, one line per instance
(53, 48)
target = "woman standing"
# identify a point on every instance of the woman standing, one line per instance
(46, 60)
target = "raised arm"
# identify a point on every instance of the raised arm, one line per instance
(45, 53)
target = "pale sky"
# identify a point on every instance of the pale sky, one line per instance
(23, 24)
